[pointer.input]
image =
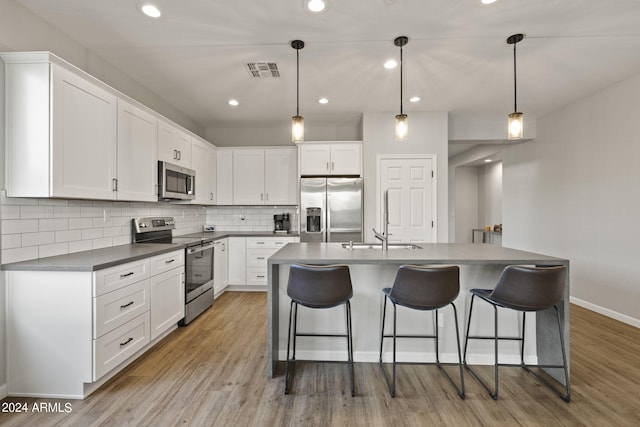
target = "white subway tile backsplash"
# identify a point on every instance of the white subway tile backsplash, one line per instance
(66, 211)
(102, 243)
(53, 224)
(10, 241)
(53, 250)
(13, 226)
(92, 233)
(67, 235)
(80, 245)
(27, 212)
(78, 223)
(36, 239)
(19, 254)
(10, 212)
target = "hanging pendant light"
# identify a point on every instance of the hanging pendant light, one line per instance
(515, 124)
(297, 122)
(402, 120)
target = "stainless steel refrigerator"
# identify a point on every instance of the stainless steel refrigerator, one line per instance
(330, 209)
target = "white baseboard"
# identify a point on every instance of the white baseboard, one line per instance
(606, 312)
(3, 391)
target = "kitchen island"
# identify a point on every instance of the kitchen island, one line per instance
(373, 269)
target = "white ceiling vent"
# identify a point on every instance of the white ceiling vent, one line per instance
(263, 69)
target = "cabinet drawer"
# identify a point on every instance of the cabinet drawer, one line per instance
(256, 276)
(115, 347)
(165, 262)
(268, 242)
(113, 278)
(259, 257)
(118, 307)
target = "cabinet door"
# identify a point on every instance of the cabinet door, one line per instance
(174, 145)
(167, 300)
(224, 177)
(248, 177)
(203, 163)
(220, 266)
(84, 118)
(137, 154)
(315, 159)
(237, 261)
(280, 177)
(346, 159)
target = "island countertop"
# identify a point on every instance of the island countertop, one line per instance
(437, 253)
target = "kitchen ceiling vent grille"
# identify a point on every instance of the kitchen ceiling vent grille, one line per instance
(263, 69)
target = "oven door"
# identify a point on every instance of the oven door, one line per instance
(199, 270)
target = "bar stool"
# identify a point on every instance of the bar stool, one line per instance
(524, 289)
(422, 288)
(318, 287)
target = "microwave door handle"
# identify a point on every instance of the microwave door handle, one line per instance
(190, 184)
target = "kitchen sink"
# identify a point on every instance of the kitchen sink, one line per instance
(379, 246)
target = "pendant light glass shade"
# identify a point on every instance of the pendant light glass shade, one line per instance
(515, 124)
(402, 127)
(297, 121)
(297, 129)
(402, 120)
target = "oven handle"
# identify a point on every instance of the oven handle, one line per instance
(202, 248)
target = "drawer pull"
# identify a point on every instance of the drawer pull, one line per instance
(126, 305)
(259, 243)
(260, 257)
(198, 275)
(260, 276)
(169, 261)
(122, 276)
(122, 344)
(279, 243)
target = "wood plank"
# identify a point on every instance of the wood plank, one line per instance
(212, 373)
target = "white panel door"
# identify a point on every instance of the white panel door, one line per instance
(410, 183)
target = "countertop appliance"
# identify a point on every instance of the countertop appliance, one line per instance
(331, 209)
(175, 182)
(198, 260)
(281, 223)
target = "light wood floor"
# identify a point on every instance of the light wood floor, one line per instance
(213, 373)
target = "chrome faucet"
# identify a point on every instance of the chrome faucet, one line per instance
(384, 237)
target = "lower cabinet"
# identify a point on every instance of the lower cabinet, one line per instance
(68, 331)
(220, 266)
(248, 258)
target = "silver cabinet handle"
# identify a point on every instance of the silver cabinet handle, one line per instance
(122, 344)
(169, 261)
(175, 154)
(333, 166)
(122, 276)
(179, 155)
(122, 307)
(327, 166)
(114, 183)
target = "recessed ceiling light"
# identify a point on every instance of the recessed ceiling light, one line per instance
(488, 1)
(323, 101)
(414, 99)
(233, 102)
(316, 6)
(150, 10)
(487, 160)
(390, 64)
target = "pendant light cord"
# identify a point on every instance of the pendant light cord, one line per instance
(400, 80)
(297, 82)
(515, 86)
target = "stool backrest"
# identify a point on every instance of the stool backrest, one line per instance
(319, 286)
(427, 288)
(530, 288)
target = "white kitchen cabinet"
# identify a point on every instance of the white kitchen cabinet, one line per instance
(265, 176)
(137, 165)
(340, 158)
(237, 261)
(259, 249)
(280, 176)
(174, 145)
(83, 326)
(60, 130)
(220, 266)
(204, 163)
(248, 177)
(224, 176)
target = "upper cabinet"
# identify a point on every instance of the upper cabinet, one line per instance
(60, 132)
(137, 153)
(204, 163)
(339, 158)
(264, 176)
(224, 176)
(174, 145)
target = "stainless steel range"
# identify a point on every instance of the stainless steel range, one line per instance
(198, 265)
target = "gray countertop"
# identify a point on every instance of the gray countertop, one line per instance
(99, 259)
(437, 253)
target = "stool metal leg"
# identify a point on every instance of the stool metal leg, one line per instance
(350, 347)
(289, 371)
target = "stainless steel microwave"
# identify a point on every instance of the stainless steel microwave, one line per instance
(175, 182)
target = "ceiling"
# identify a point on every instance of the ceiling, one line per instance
(456, 60)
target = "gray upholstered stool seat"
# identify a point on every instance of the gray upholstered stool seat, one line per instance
(318, 287)
(422, 288)
(524, 289)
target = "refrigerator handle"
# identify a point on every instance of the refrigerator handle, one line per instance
(327, 227)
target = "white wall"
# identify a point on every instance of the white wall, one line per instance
(574, 193)
(427, 135)
(490, 194)
(465, 195)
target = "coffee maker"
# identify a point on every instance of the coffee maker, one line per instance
(281, 223)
